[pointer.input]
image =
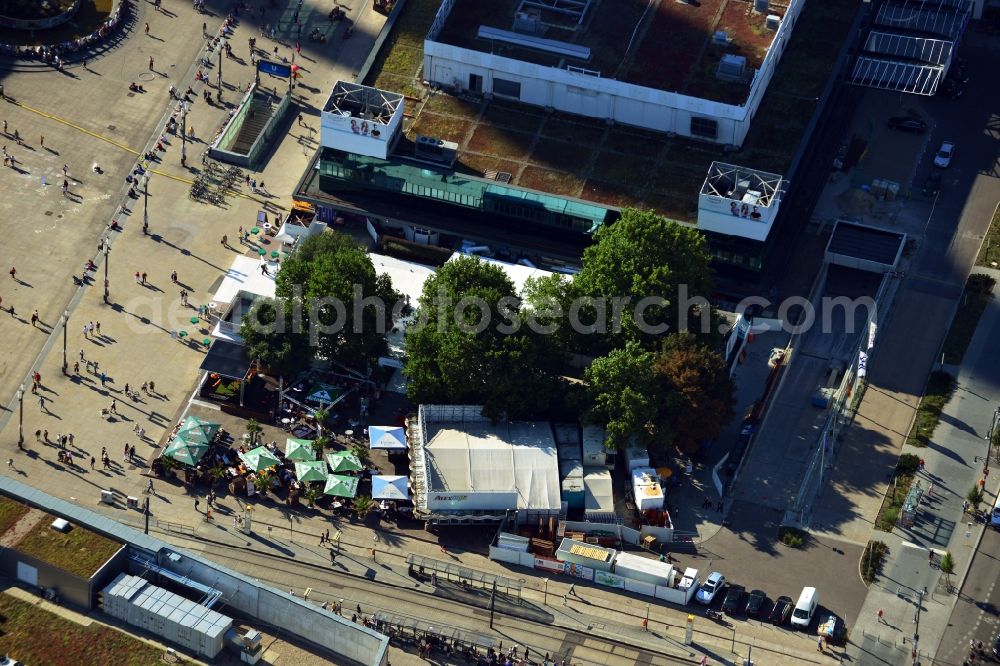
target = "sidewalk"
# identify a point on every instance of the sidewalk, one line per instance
(954, 462)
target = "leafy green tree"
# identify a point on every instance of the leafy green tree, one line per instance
(975, 497)
(645, 256)
(697, 393)
(345, 306)
(623, 394)
(269, 337)
(547, 304)
(469, 345)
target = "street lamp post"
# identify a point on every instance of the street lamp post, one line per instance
(20, 420)
(107, 250)
(184, 111)
(145, 204)
(218, 81)
(64, 320)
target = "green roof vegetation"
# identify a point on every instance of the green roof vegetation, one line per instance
(35, 636)
(581, 157)
(10, 513)
(78, 551)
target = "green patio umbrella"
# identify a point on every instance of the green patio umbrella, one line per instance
(259, 458)
(275, 254)
(189, 453)
(262, 252)
(312, 470)
(255, 230)
(299, 449)
(343, 461)
(341, 486)
(197, 430)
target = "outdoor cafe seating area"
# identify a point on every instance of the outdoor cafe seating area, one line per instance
(298, 470)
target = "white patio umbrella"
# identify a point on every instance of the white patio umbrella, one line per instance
(387, 437)
(390, 487)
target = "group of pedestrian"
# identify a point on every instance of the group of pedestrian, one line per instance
(89, 330)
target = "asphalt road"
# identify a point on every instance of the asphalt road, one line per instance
(976, 616)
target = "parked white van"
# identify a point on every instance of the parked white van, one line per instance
(995, 518)
(805, 608)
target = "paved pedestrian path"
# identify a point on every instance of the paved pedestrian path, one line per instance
(915, 598)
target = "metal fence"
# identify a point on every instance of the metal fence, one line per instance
(844, 405)
(462, 574)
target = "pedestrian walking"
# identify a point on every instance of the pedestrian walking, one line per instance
(173, 277)
(92, 461)
(572, 589)
(225, 241)
(41, 403)
(34, 318)
(13, 273)
(65, 187)
(197, 504)
(137, 278)
(881, 615)
(143, 277)
(151, 64)
(819, 644)
(152, 386)
(565, 599)
(65, 170)
(150, 60)
(10, 463)
(374, 559)
(114, 410)
(41, 141)
(149, 486)
(131, 452)
(98, 325)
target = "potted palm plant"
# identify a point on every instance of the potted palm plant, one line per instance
(254, 429)
(311, 494)
(319, 445)
(363, 506)
(262, 482)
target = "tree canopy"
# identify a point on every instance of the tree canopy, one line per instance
(678, 397)
(468, 345)
(332, 303)
(641, 256)
(698, 394)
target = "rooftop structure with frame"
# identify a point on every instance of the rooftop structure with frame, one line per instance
(548, 156)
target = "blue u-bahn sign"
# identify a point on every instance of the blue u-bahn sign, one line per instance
(274, 69)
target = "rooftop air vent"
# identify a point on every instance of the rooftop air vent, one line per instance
(60, 525)
(720, 38)
(772, 21)
(761, 6)
(439, 151)
(732, 67)
(528, 23)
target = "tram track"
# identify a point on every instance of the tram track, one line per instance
(578, 646)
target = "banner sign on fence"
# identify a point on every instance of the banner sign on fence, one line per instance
(862, 364)
(548, 564)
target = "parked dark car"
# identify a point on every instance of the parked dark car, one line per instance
(933, 183)
(733, 603)
(755, 603)
(950, 89)
(907, 124)
(782, 609)
(958, 72)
